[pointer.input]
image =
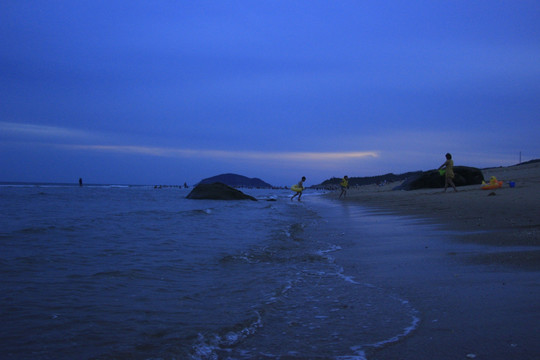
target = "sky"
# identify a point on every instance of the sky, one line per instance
(167, 92)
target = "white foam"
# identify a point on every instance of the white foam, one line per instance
(360, 356)
(415, 320)
(205, 349)
(406, 331)
(332, 248)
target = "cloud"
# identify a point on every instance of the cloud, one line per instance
(390, 151)
(226, 154)
(43, 131)
(59, 137)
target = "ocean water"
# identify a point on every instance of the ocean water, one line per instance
(132, 272)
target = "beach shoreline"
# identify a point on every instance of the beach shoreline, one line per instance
(475, 282)
(508, 216)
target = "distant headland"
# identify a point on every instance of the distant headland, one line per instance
(240, 181)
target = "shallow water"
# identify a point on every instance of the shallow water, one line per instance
(143, 273)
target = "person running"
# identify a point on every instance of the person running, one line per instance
(344, 186)
(298, 188)
(449, 172)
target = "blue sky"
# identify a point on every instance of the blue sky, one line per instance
(167, 92)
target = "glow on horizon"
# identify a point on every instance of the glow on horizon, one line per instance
(60, 132)
(224, 154)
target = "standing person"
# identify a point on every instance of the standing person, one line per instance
(449, 174)
(344, 186)
(298, 188)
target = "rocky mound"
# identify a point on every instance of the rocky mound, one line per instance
(236, 181)
(217, 191)
(464, 175)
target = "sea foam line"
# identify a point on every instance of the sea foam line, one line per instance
(359, 350)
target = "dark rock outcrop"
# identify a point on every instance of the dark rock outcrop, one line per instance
(464, 175)
(217, 191)
(236, 181)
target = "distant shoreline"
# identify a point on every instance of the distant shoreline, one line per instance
(385, 178)
(52, 184)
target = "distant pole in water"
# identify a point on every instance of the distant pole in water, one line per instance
(80, 181)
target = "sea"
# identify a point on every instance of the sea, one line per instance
(138, 272)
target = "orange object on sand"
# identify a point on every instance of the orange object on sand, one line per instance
(492, 185)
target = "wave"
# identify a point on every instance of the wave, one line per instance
(210, 346)
(315, 299)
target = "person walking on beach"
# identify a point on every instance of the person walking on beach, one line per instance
(298, 188)
(344, 186)
(449, 174)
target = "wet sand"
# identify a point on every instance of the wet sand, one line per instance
(476, 282)
(501, 217)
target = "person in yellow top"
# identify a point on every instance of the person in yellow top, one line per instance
(344, 186)
(449, 174)
(298, 188)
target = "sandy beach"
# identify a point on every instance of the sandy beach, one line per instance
(505, 216)
(476, 284)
